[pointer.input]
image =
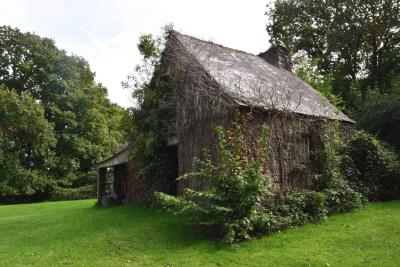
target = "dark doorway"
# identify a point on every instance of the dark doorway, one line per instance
(122, 183)
(173, 170)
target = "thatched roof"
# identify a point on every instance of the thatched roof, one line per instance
(252, 81)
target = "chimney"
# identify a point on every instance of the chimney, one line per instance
(278, 56)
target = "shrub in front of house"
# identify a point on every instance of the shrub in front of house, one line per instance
(372, 168)
(232, 206)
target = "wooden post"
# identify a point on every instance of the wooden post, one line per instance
(101, 181)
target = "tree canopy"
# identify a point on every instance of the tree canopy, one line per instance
(355, 41)
(61, 123)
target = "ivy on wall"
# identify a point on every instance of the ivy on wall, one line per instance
(150, 118)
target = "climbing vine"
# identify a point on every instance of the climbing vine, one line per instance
(149, 118)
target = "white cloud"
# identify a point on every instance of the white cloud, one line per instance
(105, 32)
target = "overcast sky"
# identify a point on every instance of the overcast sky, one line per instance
(105, 32)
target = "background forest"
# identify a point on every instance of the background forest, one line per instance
(56, 123)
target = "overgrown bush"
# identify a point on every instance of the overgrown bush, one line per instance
(372, 168)
(339, 195)
(232, 205)
(331, 192)
(298, 208)
(150, 118)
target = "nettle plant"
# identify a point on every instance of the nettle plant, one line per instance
(232, 204)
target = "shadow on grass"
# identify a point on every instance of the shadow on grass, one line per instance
(157, 228)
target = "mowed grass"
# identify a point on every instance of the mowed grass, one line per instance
(76, 233)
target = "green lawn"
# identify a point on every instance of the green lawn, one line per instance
(76, 233)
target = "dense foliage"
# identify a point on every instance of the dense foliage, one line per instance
(355, 41)
(372, 168)
(339, 195)
(60, 124)
(380, 115)
(150, 117)
(26, 141)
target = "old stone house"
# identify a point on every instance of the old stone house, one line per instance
(213, 85)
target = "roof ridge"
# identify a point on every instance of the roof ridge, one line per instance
(233, 49)
(213, 43)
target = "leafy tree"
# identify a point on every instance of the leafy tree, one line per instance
(306, 69)
(87, 126)
(380, 115)
(357, 42)
(26, 140)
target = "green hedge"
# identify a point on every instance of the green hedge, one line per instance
(83, 192)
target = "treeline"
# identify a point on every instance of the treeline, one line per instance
(56, 122)
(350, 51)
